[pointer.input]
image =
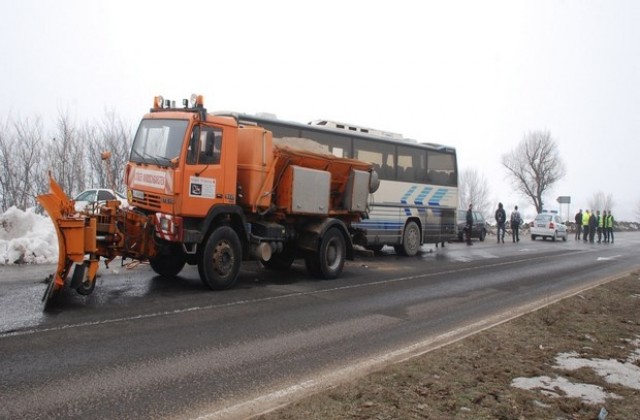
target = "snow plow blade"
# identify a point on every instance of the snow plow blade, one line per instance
(76, 239)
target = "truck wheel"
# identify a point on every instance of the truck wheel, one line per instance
(327, 262)
(86, 287)
(220, 260)
(483, 234)
(282, 260)
(410, 240)
(80, 280)
(169, 262)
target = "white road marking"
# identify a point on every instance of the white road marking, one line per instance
(613, 257)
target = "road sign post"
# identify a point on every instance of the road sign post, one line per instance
(565, 199)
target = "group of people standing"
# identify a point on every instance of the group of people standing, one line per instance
(501, 220)
(589, 224)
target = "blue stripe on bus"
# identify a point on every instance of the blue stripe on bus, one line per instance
(425, 191)
(437, 197)
(406, 195)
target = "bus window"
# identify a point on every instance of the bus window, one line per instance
(281, 131)
(382, 156)
(411, 164)
(338, 145)
(441, 169)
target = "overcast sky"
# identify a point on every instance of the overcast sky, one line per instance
(475, 75)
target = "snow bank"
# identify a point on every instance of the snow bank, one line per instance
(27, 238)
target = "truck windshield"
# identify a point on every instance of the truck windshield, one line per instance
(158, 141)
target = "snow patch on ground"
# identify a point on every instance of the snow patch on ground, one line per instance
(27, 238)
(613, 371)
(560, 387)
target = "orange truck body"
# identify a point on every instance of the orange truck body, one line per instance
(225, 193)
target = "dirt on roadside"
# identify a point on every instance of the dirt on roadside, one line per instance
(575, 359)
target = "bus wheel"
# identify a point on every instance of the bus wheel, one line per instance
(410, 240)
(328, 261)
(219, 262)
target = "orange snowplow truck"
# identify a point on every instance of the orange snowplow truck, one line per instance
(205, 190)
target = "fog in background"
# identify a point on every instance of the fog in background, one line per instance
(473, 75)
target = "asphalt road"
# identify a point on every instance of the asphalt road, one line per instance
(145, 347)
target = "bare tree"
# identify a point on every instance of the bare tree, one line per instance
(22, 163)
(66, 153)
(601, 201)
(73, 155)
(534, 166)
(114, 136)
(473, 189)
(7, 175)
(96, 176)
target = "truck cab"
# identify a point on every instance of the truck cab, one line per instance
(182, 164)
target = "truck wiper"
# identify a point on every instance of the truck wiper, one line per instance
(157, 159)
(137, 154)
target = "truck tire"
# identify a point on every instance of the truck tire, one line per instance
(86, 287)
(219, 262)
(410, 240)
(328, 261)
(169, 262)
(80, 278)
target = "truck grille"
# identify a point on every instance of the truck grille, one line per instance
(150, 201)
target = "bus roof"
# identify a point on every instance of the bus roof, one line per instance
(345, 130)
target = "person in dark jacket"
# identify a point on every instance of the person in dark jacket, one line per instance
(515, 224)
(501, 219)
(468, 228)
(593, 223)
(578, 220)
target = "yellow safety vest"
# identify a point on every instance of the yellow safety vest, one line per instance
(585, 219)
(609, 221)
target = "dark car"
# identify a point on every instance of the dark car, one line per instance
(479, 228)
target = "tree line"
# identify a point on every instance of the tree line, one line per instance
(71, 152)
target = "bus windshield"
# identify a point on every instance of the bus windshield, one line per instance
(158, 141)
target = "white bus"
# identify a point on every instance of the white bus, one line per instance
(418, 194)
